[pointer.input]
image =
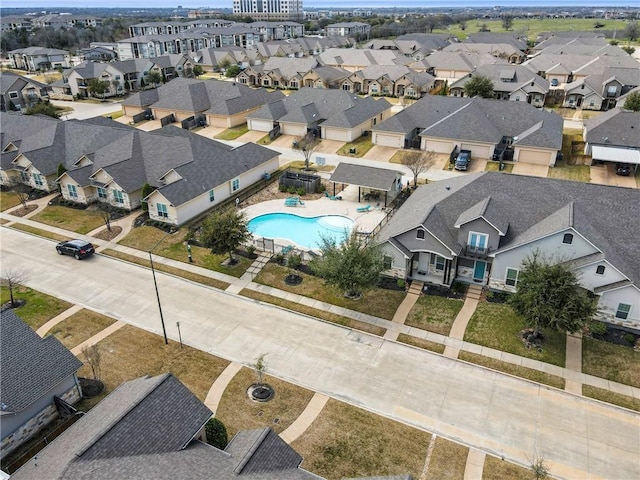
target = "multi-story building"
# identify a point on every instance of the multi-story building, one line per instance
(66, 21)
(270, 9)
(38, 58)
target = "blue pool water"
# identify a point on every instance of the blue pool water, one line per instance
(303, 231)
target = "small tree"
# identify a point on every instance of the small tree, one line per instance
(146, 190)
(306, 145)
(93, 356)
(632, 102)
(632, 30)
(261, 368)
(216, 433)
(20, 190)
(232, 71)
(106, 213)
(353, 266)
(548, 295)
(444, 91)
(13, 278)
(43, 108)
(98, 87)
(418, 161)
(539, 468)
(188, 72)
(197, 70)
(479, 86)
(463, 25)
(507, 22)
(155, 77)
(225, 230)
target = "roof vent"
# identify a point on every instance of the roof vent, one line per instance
(447, 187)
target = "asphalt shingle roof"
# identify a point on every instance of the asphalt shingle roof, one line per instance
(31, 366)
(533, 207)
(371, 177)
(616, 127)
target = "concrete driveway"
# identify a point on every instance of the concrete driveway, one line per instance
(329, 146)
(150, 125)
(522, 168)
(251, 136)
(606, 175)
(380, 153)
(210, 132)
(82, 110)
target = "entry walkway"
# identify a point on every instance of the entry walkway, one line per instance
(452, 343)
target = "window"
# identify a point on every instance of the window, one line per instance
(600, 270)
(235, 185)
(25, 176)
(117, 77)
(478, 240)
(37, 179)
(73, 193)
(612, 90)
(567, 239)
(346, 86)
(118, 197)
(623, 311)
(438, 262)
(102, 193)
(13, 95)
(162, 210)
(387, 261)
(511, 277)
(212, 197)
(420, 234)
(374, 89)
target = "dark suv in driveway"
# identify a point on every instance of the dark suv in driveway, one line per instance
(463, 159)
(623, 169)
(77, 248)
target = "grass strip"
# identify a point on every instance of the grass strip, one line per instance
(314, 312)
(194, 277)
(40, 232)
(515, 370)
(421, 343)
(611, 397)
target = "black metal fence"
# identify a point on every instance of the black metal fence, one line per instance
(167, 120)
(144, 115)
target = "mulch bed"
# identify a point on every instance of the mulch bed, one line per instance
(109, 235)
(22, 211)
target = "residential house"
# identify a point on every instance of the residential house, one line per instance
(392, 80)
(154, 428)
(600, 92)
(349, 29)
(447, 124)
(98, 54)
(216, 59)
(217, 102)
(517, 41)
(413, 45)
(510, 82)
(505, 51)
(109, 162)
(172, 66)
(18, 92)
(278, 72)
(613, 137)
(354, 59)
(37, 375)
(38, 58)
(325, 77)
(331, 114)
(122, 76)
(473, 228)
(548, 39)
(451, 66)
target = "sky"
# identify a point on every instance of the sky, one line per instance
(335, 4)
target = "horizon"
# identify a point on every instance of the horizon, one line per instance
(352, 4)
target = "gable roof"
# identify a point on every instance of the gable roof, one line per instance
(360, 57)
(9, 79)
(31, 366)
(460, 61)
(616, 127)
(550, 206)
(518, 77)
(371, 177)
(290, 67)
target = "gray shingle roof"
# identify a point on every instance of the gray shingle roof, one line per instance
(519, 77)
(335, 108)
(9, 79)
(533, 207)
(31, 366)
(616, 127)
(371, 177)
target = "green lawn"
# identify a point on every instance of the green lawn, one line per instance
(421, 343)
(40, 232)
(497, 326)
(75, 220)
(613, 362)
(433, 313)
(362, 145)
(173, 246)
(611, 397)
(495, 167)
(232, 133)
(8, 200)
(40, 307)
(379, 302)
(578, 173)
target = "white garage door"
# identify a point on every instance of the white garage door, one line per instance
(259, 125)
(293, 129)
(438, 146)
(386, 140)
(477, 151)
(538, 157)
(335, 134)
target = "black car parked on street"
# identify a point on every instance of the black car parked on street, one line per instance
(77, 248)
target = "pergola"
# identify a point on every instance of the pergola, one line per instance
(371, 181)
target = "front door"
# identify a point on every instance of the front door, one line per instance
(478, 271)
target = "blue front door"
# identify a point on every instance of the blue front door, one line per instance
(478, 271)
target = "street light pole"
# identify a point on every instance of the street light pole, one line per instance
(155, 283)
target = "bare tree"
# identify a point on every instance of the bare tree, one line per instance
(21, 191)
(12, 278)
(306, 145)
(93, 355)
(260, 367)
(106, 212)
(418, 161)
(539, 468)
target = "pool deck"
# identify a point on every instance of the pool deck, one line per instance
(365, 222)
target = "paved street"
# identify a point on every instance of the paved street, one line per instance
(87, 110)
(495, 413)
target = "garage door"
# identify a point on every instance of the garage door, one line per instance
(439, 146)
(477, 151)
(295, 130)
(259, 125)
(386, 140)
(335, 134)
(537, 157)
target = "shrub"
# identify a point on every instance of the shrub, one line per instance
(251, 249)
(294, 261)
(301, 191)
(216, 433)
(279, 258)
(283, 187)
(459, 287)
(401, 283)
(597, 328)
(629, 338)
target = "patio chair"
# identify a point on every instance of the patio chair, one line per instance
(364, 209)
(331, 197)
(292, 202)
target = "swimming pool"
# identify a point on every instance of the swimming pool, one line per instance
(303, 231)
